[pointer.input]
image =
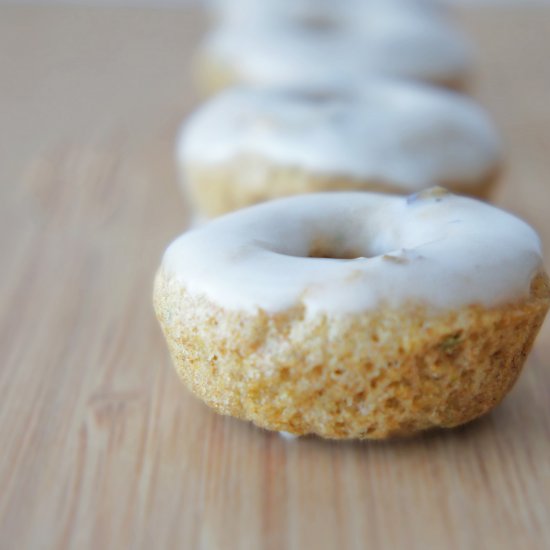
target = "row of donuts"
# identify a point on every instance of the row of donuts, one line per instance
(319, 95)
(347, 314)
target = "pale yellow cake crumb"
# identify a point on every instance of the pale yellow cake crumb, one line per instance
(250, 179)
(373, 375)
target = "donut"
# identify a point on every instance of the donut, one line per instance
(354, 315)
(248, 145)
(306, 10)
(344, 13)
(383, 38)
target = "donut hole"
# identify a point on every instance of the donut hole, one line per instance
(316, 96)
(339, 242)
(333, 250)
(318, 23)
(342, 247)
(345, 254)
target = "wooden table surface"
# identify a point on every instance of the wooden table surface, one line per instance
(101, 447)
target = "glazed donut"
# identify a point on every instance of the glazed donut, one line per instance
(250, 145)
(343, 13)
(390, 40)
(354, 315)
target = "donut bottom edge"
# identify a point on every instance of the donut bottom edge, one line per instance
(375, 375)
(251, 179)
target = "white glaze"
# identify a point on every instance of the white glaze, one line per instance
(340, 12)
(406, 134)
(383, 38)
(444, 251)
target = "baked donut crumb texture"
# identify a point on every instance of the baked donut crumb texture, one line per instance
(389, 373)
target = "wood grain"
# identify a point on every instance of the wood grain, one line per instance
(101, 446)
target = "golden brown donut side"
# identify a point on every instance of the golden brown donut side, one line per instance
(251, 179)
(374, 375)
(213, 76)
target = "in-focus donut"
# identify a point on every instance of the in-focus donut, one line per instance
(387, 38)
(354, 315)
(250, 145)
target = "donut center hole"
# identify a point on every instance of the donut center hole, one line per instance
(346, 246)
(317, 96)
(324, 250)
(318, 23)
